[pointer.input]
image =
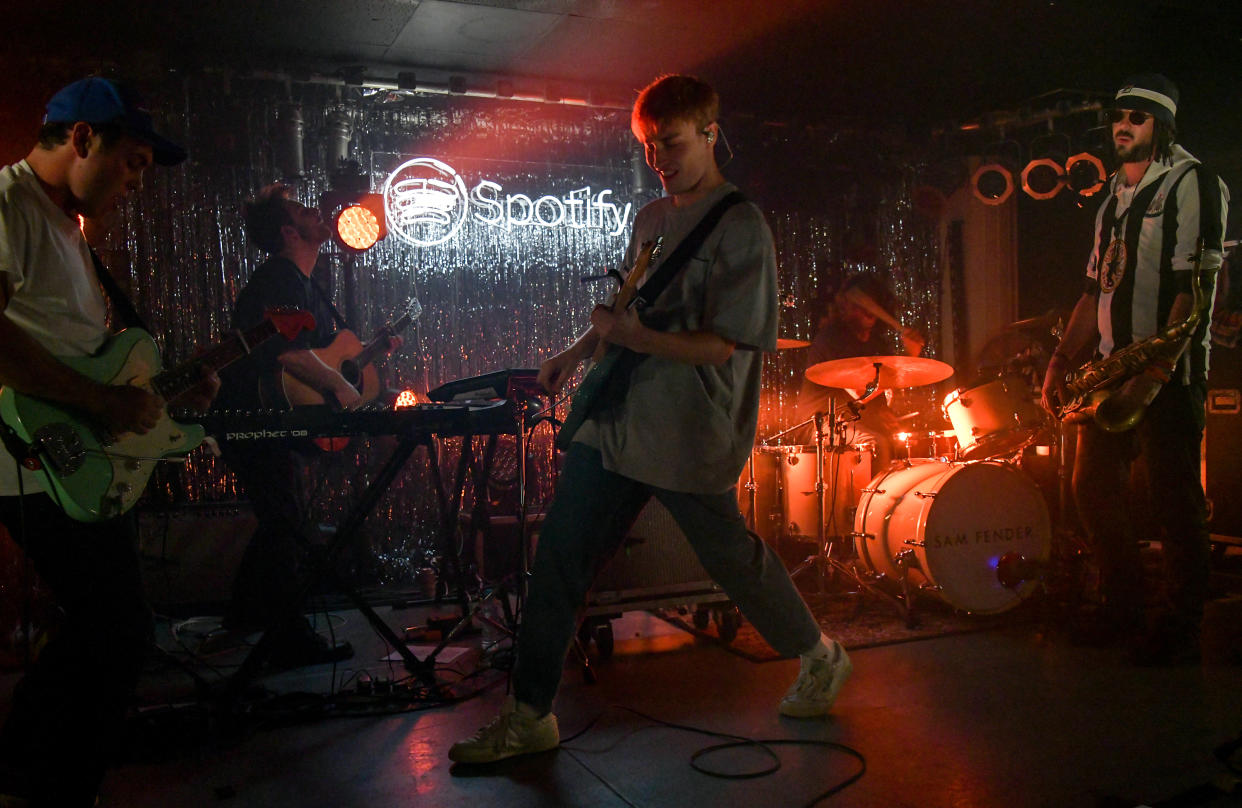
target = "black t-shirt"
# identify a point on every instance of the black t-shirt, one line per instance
(277, 282)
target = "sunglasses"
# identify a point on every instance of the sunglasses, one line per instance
(1137, 118)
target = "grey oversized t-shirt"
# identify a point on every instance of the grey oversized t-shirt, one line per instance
(691, 427)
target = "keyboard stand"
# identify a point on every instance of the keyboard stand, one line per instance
(450, 506)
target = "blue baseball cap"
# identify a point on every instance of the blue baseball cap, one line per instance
(97, 101)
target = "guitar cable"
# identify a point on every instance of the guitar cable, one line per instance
(729, 742)
(27, 583)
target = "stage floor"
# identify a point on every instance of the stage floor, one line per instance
(1004, 717)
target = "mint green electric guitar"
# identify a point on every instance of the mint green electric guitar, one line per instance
(95, 475)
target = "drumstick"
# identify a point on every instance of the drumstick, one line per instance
(858, 296)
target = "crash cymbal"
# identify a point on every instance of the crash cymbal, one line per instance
(856, 372)
(785, 344)
(1043, 322)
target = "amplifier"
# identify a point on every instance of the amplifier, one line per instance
(654, 567)
(1222, 439)
(189, 555)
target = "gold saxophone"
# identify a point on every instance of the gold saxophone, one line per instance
(1094, 383)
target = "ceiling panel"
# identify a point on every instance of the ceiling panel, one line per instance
(926, 59)
(307, 26)
(449, 34)
(612, 51)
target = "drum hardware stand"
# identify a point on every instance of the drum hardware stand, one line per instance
(1065, 573)
(904, 603)
(822, 559)
(511, 611)
(752, 487)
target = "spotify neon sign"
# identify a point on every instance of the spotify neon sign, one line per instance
(426, 203)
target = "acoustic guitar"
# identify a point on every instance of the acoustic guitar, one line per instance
(347, 355)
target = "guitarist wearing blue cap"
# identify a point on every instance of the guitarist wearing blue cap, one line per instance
(96, 142)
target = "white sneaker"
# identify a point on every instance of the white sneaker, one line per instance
(513, 732)
(818, 682)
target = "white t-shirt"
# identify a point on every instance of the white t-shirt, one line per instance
(49, 279)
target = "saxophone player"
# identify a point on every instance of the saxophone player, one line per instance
(1158, 238)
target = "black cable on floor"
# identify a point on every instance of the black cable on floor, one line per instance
(733, 742)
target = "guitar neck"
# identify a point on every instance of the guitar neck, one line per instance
(625, 295)
(173, 382)
(378, 346)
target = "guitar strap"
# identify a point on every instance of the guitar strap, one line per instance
(22, 451)
(649, 291)
(323, 295)
(617, 382)
(121, 304)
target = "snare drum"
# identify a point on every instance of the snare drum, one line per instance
(957, 520)
(846, 471)
(993, 419)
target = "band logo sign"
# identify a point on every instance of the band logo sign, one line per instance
(426, 203)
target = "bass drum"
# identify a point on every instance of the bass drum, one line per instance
(958, 520)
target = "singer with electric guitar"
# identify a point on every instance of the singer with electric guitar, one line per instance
(677, 425)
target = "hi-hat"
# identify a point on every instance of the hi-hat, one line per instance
(856, 372)
(785, 344)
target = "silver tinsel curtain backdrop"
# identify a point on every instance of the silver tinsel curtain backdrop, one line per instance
(493, 296)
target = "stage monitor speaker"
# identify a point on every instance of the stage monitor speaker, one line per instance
(190, 554)
(1223, 442)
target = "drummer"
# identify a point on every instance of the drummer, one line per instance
(849, 329)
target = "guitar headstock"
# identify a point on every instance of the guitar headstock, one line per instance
(289, 321)
(649, 252)
(413, 309)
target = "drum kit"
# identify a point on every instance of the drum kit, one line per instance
(956, 516)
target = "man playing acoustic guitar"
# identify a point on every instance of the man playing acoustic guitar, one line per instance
(65, 723)
(273, 476)
(679, 428)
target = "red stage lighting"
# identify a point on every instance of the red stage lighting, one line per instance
(992, 184)
(1043, 178)
(1085, 173)
(358, 221)
(357, 227)
(410, 398)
